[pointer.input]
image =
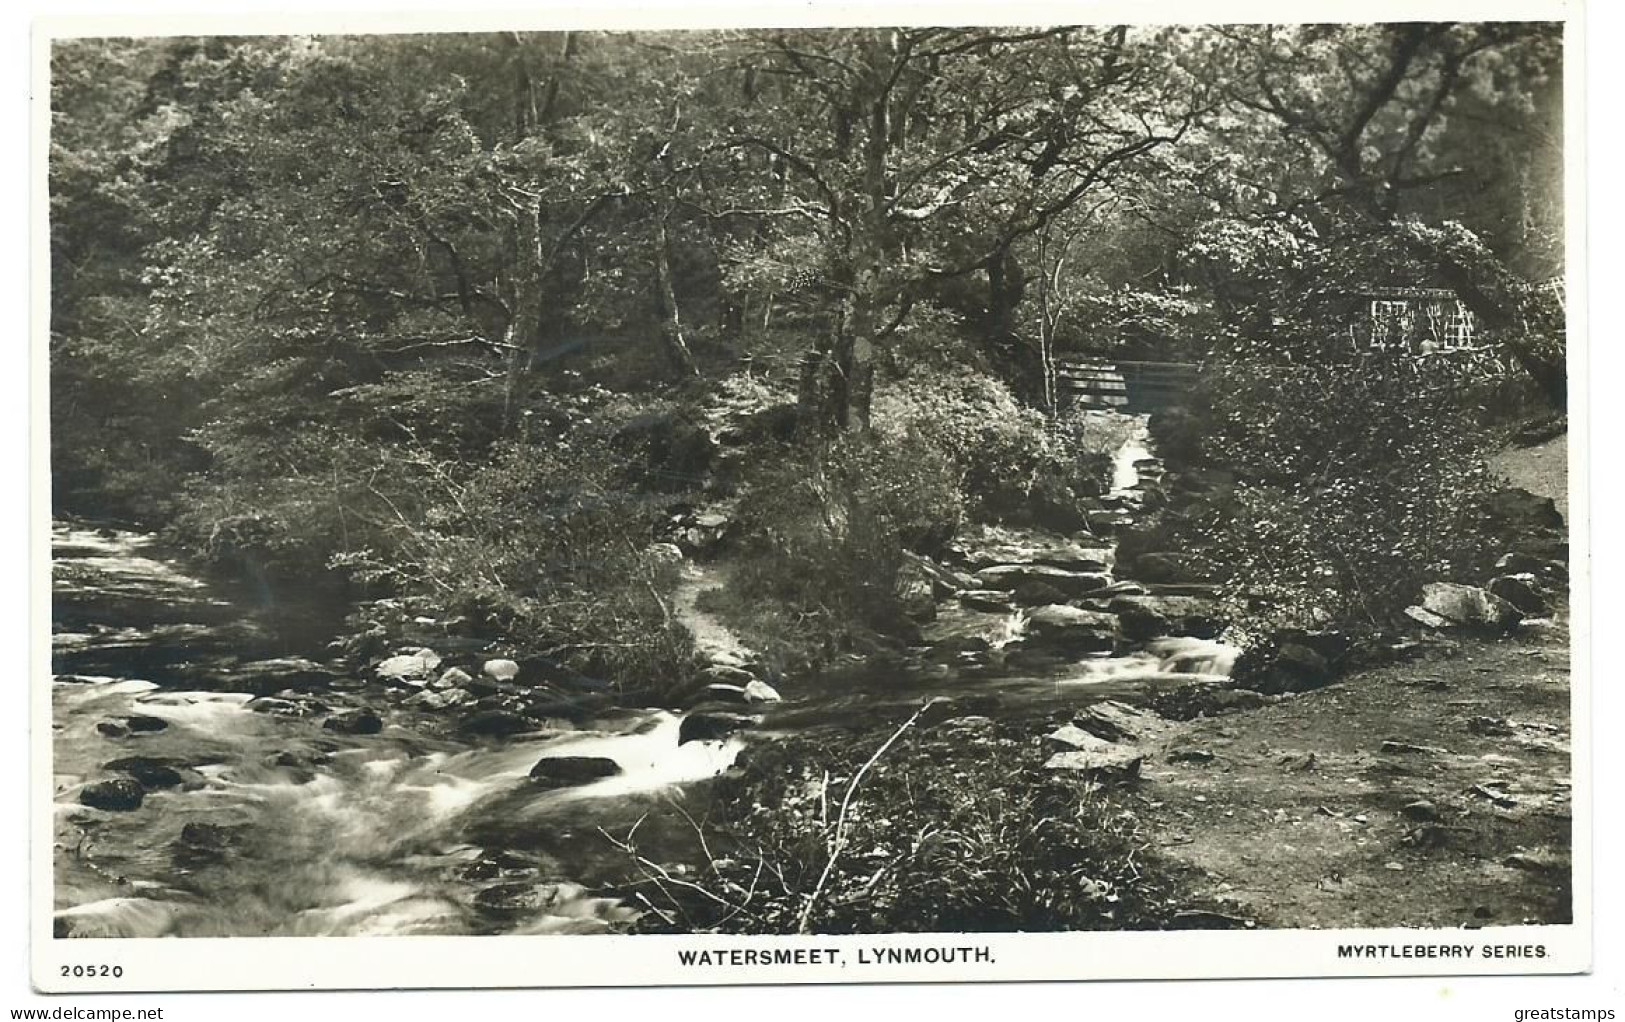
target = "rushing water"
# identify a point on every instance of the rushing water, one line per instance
(269, 823)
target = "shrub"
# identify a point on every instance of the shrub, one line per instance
(825, 529)
(1355, 484)
(1011, 461)
(951, 830)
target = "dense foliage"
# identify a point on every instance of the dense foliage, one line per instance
(956, 829)
(384, 312)
(1350, 486)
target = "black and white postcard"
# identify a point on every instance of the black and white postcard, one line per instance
(1026, 493)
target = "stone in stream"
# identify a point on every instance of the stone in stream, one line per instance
(454, 677)
(361, 721)
(1150, 617)
(285, 672)
(1469, 606)
(724, 674)
(712, 726)
(496, 724)
(1069, 583)
(992, 546)
(1072, 629)
(441, 700)
(986, 599)
(141, 724)
(112, 729)
(759, 691)
(148, 772)
(413, 668)
(1036, 594)
(119, 795)
(569, 771)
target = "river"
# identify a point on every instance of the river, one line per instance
(222, 802)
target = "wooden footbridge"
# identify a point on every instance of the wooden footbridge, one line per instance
(1123, 385)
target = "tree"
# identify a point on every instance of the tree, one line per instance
(1370, 104)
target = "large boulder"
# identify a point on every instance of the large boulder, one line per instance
(146, 771)
(495, 723)
(1094, 757)
(1523, 591)
(1150, 617)
(1469, 607)
(569, 771)
(414, 668)
(119, 795)
(1072, 628)
(1115, 721)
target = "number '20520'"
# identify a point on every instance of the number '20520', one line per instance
(92, 971)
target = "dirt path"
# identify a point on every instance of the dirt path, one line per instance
(1307, 814)
(1542, 470)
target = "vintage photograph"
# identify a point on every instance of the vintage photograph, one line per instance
(810, 481)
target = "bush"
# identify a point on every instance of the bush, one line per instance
(1355, 484)
(1013, 463)
(949, 831)
(825, 529)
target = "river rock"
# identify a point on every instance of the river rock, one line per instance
(285, 672)
(454, 677)
(119, 795)
(1107, 522)
(361, 721)
(1103, 761)
(1469, 606)
(724, 674)
(712, 726)
(495, 724)
(1517, 563)
(112, 729)
(1072, 628)
(991, 546)
(1116, 589)
(1119, 722)
(721, 693)
(989, 600)
(209, 838)
(568, 771)
(142, 724)
(1036, 594)
(443, 699)
(761, 692)
(1150, 617)
(148, 772)
(1524, 591)
(1426, 618)
(500, 669)
(413, 668)
(1069, 583)
(284, 707)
